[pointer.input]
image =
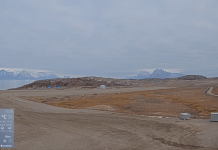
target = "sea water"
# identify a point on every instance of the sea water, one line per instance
(8, 84)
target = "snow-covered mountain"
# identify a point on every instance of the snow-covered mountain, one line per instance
(158, 73)
(66, 76)
(43, 75)
(161, 74)
(141, 75)
(25, 75)
(6, 75)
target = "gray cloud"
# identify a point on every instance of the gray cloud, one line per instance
(110, 38)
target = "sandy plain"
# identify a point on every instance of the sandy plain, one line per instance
(120, 118)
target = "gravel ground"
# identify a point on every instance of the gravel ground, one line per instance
(45, 127)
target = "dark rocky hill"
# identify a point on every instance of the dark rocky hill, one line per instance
(90, 81)
(192, 77)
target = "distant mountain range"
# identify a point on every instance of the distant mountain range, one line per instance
(158, 73)
(24, 75)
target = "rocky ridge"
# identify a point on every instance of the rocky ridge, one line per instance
(91, 82)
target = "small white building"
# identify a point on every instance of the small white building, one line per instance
(214, 116)
(102, 87)
(185, 116)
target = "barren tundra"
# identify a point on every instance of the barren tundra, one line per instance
(142, 117)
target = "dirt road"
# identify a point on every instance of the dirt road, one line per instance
(210, 92)
(44, 127)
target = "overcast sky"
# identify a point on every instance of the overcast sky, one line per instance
(109, 38)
